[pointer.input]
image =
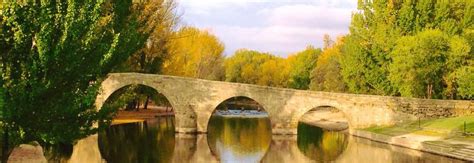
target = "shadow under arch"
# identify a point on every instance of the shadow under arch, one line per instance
(239, 129)
(111, 94)
(138, 91)
(323, 133)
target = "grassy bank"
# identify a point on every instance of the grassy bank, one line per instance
(449, 128)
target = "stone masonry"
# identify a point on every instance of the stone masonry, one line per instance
(194, 100)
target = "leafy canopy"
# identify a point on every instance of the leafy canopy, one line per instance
(53, 57)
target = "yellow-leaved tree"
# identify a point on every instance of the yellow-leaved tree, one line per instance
(195, 53)
(326, 76)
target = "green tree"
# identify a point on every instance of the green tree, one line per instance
(459, 68)
(163, 21)
(464, 85)
(150, 58)
(377, 26)
(53, 57)
(432, 64)
(326, 76)
(301, 65)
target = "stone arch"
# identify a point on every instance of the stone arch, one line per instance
(107, 93)
(225, 98)
(297, 116)
(184, 115)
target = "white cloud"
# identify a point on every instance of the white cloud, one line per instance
(277, 26)
(310, 16)
(281, 40)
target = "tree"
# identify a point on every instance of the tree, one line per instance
(423, 64)
(253, 67)
(195, 53)
(301, 65)
(273, 73)
(326, 76)
(459, 67)
(150, 58)
(53, 58)
(465, 86)
(163, 21)
(377, 26)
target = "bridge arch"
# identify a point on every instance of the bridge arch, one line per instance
(229, 95)
(298, 115)
(325, 112)
(138, 85)
(184, 114)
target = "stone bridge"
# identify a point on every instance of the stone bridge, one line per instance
(194, 100)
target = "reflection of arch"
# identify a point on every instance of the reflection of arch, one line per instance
(321, 145)
(232, 97)
(226, 130)
(148, 141)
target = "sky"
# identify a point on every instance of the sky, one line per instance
(280, 27)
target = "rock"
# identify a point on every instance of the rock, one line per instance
(27, 153)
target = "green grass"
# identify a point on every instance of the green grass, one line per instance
(444, 127)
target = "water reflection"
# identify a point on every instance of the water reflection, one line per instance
(231, 140)
(238, 139)
(319, 144)
(150, 141)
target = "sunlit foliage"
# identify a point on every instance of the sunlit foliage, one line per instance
(379, 28)
(300, 66)
(326, 76)
(163, 21)
(53, 57)
(253, 67)
(195, 53)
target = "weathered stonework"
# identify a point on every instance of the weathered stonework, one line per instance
(194, 100)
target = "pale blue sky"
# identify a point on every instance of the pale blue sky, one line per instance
(280, 27)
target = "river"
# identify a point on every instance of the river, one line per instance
(230, 139)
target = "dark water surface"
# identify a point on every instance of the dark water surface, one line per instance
(232, 139)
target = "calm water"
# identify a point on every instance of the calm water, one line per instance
(231, 140)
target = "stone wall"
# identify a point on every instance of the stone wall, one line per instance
(194, 101)
(428, 108)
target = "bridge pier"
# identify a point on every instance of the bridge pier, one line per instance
(185, 119)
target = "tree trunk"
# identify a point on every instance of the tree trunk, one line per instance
(5, 145)
(429, 90)
(146, 102)
(137, 104)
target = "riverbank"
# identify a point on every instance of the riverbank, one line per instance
(140, 115)
(451, 137)
(449, 148)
